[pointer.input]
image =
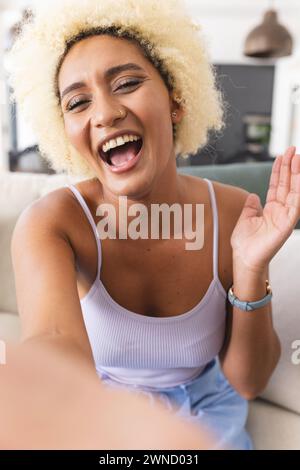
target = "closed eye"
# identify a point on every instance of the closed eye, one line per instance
(130, 83)
(75, 104)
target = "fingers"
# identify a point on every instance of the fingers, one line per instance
(252, 207)
(295, 178)
(293, 199)
(284, 184)
(274, 180)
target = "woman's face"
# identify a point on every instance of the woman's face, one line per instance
(91, 112)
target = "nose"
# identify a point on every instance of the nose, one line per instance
(106, 111)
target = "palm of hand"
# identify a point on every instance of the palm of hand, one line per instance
(260, 232)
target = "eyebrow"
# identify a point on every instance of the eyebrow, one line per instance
(108, 74)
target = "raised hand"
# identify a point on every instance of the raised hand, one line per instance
(261, 232)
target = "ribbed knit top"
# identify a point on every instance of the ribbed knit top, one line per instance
(153, 351)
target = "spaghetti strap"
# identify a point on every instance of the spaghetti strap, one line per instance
(87, 212)
(215, 227)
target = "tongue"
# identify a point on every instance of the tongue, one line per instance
(120, 155)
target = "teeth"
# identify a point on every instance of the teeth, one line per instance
(113, 143)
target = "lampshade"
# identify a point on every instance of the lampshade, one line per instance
(269, 39)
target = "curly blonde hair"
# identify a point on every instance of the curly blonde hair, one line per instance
(167, 36)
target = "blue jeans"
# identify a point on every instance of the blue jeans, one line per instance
(210, 401)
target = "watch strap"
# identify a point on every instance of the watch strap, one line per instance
(249, 306)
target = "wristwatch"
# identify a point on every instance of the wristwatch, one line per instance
(248, 306)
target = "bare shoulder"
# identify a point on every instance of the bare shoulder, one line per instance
(54, 211)
(230, 202)
(57, 210)
(44, 260)
(230, 199)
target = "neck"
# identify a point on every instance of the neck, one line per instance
(167, 189)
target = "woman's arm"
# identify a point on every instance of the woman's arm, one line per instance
(50, 378)
(49, 401)
(252, 348)
(45, 278)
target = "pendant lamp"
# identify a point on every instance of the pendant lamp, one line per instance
(269, 39)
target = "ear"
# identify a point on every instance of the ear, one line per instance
(176, 107)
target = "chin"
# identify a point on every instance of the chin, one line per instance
(135, 186)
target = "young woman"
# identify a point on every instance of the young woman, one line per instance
(147, 313)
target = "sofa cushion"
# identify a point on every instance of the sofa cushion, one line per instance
(284, 386)
(10, 327)
(8, 301)
(18, 190)
(272, 427)
(254, 176)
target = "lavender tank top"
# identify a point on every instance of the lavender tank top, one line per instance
(153, 352)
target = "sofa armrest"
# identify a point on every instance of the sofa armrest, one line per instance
(272, 427)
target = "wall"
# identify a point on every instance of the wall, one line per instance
(227, 23)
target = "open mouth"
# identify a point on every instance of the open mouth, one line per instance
(121, 156)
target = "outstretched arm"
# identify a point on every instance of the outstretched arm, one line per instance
(50, 395)
(45, 278)
(49, 401)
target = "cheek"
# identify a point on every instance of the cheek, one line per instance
(152, 103)
(76, 131)
(162, 125)
(156, 116)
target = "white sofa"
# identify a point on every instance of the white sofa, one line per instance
(274, 419)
